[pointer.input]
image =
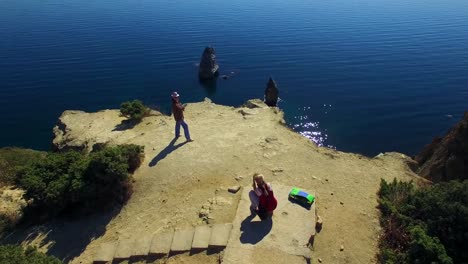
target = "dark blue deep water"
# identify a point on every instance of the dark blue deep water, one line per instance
(365, 76)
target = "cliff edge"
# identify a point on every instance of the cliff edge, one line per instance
(186, 184)
(446, 158)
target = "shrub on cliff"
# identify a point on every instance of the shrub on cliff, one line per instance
(11, 159)
(12, 205)
(109, 169)
(135, 110)
(17, 255)
(424, 225)
(61, 180)
(443, 208)
(426, 249)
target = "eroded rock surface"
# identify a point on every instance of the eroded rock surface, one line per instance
(446, 158)
(82, 131)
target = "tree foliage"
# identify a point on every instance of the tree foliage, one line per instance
(61, 180)
(135, 110)
(426, 249)
(10, 254)
(426, 225)
(11, 159)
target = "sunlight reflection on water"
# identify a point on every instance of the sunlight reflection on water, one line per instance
(304, 125)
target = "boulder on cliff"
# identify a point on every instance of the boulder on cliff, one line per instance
(446, 158)
(271, 93)
(75, 130)
(254, 103)
(208, 67)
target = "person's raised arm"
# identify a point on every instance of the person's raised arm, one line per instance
(265, 189)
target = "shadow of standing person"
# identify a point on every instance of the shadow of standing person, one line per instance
(166, 151)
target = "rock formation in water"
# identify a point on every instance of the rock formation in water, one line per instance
(271, 93)
(208, 67)
(446, 158)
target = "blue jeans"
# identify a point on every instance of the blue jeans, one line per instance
(185, 126)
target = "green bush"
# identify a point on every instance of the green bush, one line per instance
(443, 210)
(135, 110)
(426, 249)
(108, 170)
(390, 256)
(7, 172)
(61, 180)
(134, 155)
(48, 181)
(394, 195)
(10, 254)
(11, 159)
(5, 223)
(426, 225)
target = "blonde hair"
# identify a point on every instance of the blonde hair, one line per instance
(257, 176)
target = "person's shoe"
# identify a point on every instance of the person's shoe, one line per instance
(178, 136)
(189, 140)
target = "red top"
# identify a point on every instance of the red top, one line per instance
(269, 201)
(177, 110)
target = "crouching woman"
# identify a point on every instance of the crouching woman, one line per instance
(262, 198)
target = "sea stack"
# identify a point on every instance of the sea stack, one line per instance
(208, 67)
(271, 93)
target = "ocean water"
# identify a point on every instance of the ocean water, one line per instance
(364, 76)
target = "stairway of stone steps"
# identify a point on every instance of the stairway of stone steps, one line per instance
(212, 239)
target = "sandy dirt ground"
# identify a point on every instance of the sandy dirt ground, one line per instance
(185, 184)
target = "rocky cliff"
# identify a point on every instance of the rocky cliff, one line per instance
(230, 145)
(446, 158)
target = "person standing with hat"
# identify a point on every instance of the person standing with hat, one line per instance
(178, 112)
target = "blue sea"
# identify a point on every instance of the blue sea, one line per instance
(364, 76)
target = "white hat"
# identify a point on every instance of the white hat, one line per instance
(174, 95)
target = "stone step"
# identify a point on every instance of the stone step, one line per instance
(182, 241)
(105, 253)
(141, 247)
(164, 244)
(201, 238)
(161, 244)
(124, 249)
(220, 235)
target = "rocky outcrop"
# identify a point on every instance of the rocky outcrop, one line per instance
(271, 93)
(254, 103)
(446, 158)
(208, 67)
(62, 140)
(75, 130)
